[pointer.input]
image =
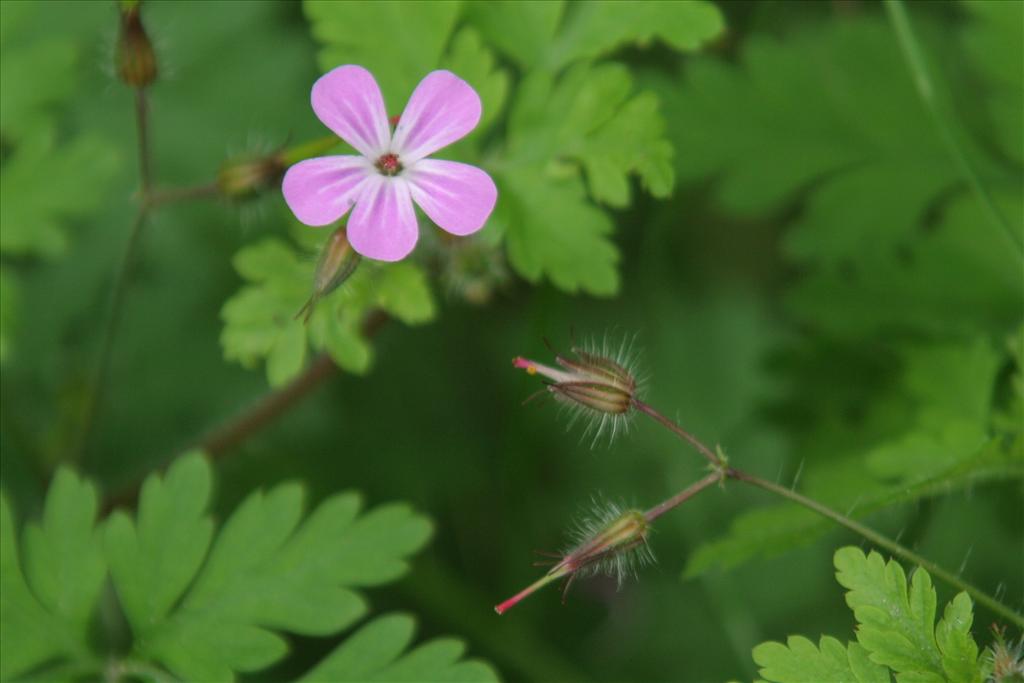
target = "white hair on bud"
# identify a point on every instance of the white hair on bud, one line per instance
(598, 424)
(621, 563)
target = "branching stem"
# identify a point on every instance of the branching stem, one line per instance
(901, 551)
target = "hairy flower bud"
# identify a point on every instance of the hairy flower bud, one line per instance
(338, 260)
(1005, 659)
(600, 386)
(136, 61)
(244, 178)
(614, 542)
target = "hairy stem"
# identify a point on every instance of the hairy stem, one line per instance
(684, 495)
(914, 57)
(157, 198)
(672, 426)
(881, 541)
(142, 121)
(865, 532)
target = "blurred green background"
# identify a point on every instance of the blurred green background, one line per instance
(821, 294)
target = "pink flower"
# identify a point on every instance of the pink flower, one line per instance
(393, 171)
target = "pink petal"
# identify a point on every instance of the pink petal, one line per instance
(383, 225)
(458, 197)
(349, 102)
(442, 109)
(319, 191)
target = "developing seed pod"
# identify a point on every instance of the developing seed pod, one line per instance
(136, 61)
(338, 261)
(596, 384)
(609, 541)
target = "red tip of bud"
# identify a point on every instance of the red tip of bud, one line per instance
(393, 120)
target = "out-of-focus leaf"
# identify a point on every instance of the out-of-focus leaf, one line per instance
(945, 447)
(8, 311)
(521, 30)
(377, 652)
(64, 561)
(592, 28)
(260, 320)
(754, 124)
(153, 560)
(552, 35)
(34, 75)
(399, 42)
(956, 277)
(44, 185)
(32, 634)
(992, 41)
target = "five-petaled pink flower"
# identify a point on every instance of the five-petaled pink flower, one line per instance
(393, 171)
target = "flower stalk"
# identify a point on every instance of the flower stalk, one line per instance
(606, 548)
(604, 380)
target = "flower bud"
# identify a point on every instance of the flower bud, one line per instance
(136, 62)
(244, 178)
(601, 387)
(1005, 659)
(614, 543)
(338, 261)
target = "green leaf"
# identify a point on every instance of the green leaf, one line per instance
(154, 559)
(521, 30)
(554, 34)
(35, 75)
(754, 124)
(955, 277)
(377, 652)
(9, 311)
(553, 231)
(399, 42)
(591, 116)
(260, 320)
(992, 42)
(799, 661)
(895, 630)
(32, 635)
(953, 636)
(64, 560)
(895, 625)
(889, 238)
(206, 615)
(593, 28)
(32, 213)
(586, 124)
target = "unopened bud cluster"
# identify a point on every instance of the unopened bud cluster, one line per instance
(136, 61)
